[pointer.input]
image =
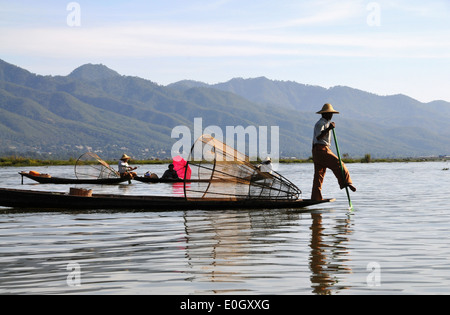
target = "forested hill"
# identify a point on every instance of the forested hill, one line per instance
(95, 108)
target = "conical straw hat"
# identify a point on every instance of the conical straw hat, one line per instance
(327, 108)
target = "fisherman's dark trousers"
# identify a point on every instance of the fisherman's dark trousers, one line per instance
(324, 158)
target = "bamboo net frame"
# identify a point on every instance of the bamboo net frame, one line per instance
(90, 166)
(225, 173)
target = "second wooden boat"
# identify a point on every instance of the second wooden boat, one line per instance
(47, 179)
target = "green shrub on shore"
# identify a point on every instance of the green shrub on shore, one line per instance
(23, 161)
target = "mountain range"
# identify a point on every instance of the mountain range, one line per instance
(94, 108)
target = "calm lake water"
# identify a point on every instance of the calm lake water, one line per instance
(395, 242)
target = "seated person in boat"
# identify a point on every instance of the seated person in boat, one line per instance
(266, 166)
(170, 173)
(265, 169)
(124, 168)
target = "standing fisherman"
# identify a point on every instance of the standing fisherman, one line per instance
(323, 157)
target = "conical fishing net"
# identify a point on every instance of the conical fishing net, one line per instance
(219, 171)
(91, 166)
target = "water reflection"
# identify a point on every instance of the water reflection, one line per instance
(215, 242)
(199, 252)
(178, 189)
(249, 250)
(328, 254)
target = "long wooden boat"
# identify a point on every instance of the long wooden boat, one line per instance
(43, 179)
(38, 200)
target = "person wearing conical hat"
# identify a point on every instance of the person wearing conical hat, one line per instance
(323, 157)
(124, 168)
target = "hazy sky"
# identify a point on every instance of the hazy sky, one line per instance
(384, 47)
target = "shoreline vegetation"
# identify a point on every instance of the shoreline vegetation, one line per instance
(24, 161)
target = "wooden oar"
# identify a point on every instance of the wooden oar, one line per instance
(342, 170)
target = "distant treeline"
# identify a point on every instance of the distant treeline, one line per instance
(368, 159)
(25, 161)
